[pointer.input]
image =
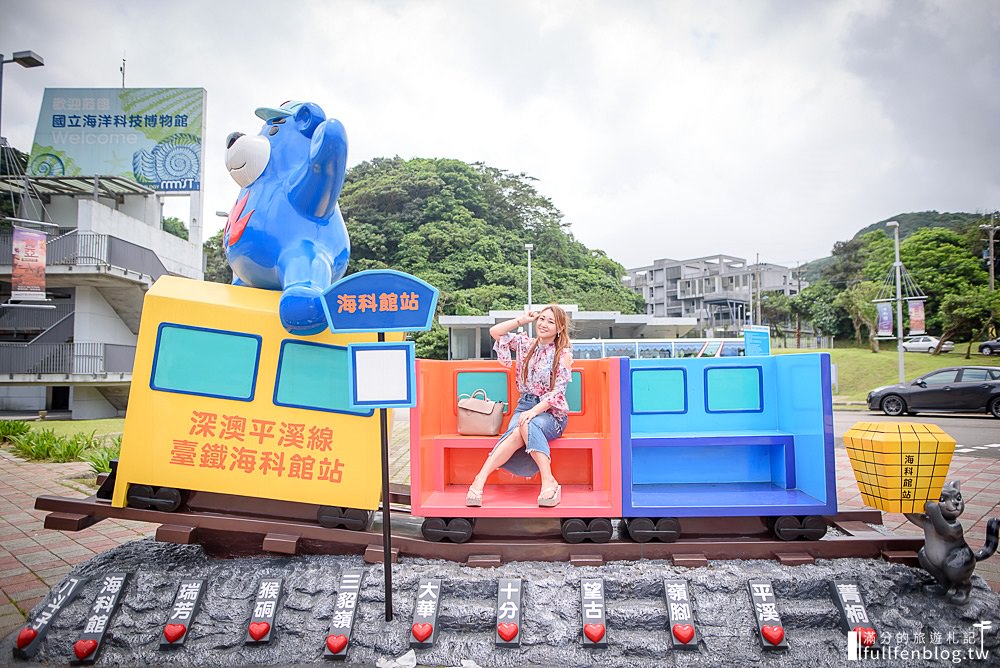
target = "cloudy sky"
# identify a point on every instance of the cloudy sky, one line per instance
(660, 129)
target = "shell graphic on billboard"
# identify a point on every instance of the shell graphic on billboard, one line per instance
(170, 164)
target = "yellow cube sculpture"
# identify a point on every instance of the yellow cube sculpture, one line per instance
(899, 466)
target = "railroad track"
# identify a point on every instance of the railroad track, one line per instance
(290, 528)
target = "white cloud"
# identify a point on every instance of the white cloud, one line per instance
(660, 129)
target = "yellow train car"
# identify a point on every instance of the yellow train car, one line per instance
(224, 400)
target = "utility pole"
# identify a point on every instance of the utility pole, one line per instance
(798, 290)
(899, 300)
(122, 69)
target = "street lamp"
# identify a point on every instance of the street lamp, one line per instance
(991, 230)
(899, 300)
(24, 59)
(529, 248)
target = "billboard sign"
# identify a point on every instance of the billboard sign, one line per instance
(152, 136)
(28, 265)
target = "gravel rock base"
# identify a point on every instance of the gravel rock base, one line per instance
(551, 617)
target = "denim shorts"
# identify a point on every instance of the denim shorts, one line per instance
(542, 429)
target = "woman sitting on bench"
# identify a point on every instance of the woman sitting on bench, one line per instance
(542, 372)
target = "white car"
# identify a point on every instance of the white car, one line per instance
(925, 344)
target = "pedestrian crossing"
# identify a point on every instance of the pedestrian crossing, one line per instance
(966, 449)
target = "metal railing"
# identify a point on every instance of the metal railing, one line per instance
(32, 319)
(66, 358)
(78, 248)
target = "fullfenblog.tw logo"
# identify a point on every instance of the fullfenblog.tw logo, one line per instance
(860, 646)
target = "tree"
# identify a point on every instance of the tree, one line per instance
(816, 303)
(969, 315)
(857, 301)
(176, 227)
(216, 266)
(775, 310)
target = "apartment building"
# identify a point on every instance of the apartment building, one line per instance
(719, 291)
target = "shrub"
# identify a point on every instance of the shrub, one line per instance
(100, 458)
(9, 428)
(71, 449)
(36, 444)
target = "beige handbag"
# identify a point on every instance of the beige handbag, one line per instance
(479, 417)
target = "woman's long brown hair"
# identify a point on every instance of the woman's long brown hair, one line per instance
(561, 341)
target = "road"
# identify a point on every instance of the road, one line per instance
(977, 435)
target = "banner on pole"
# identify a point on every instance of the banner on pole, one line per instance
(916, 309)
(28, 271)
(884, 319)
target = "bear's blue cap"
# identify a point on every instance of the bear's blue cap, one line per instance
(287, 108)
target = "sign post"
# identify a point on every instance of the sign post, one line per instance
(382, 375)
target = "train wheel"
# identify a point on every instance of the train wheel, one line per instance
(641, 529)
(668, 529)
(813, 527)
(434, 529)
(168, 499)
(330, 516)
(574, 531)
(456, 530)
(600, 530)
(459, 530)
(786, 527)
(139, 496)
(356, 519)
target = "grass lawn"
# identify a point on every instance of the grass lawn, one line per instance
(107, 427)
(860, 370)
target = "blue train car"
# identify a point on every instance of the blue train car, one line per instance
(745, 436)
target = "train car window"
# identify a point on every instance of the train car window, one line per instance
(734, 389)
(587, 351)
(574, 393)
(615, 349)
(205, 362)
(659, 391)
(314, 376)
(733, 349)
(711, 349)
(687, 349)
(493, 382)
(660, 350)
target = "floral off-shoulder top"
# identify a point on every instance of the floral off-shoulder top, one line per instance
(539, 372)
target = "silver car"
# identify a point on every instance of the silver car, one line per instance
(925, 344)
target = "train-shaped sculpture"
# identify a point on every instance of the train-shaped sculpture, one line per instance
(225, 402)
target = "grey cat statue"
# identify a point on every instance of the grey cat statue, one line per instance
(945, 554)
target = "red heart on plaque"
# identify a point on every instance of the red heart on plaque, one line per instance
(866, 636)
(174, 632)
(683, 632)
(772, 634)
(259, 629)
(507, 631)
(25, 637)
(336, 643)
(593, 631)
(84, 648)
(422, 631)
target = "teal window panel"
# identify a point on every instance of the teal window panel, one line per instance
(574, 392)
(493, 382)
(659, 391)
(735, 389)
(314, 376)
(205, 362)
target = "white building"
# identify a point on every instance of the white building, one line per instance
(719, 291)
(104, 250)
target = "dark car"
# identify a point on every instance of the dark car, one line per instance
(960, 388)
(990, 347)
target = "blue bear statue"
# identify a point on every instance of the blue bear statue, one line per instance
(285, 231)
